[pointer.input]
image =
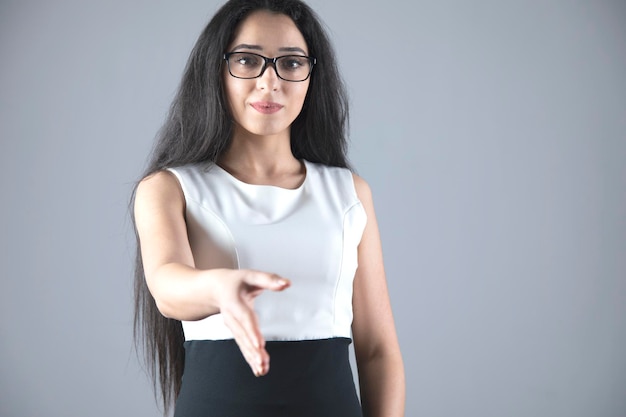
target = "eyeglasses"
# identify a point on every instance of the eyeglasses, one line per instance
(248, 65)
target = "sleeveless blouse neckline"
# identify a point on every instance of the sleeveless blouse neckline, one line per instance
(241, 183)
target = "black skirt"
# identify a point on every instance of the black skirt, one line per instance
(306, 379)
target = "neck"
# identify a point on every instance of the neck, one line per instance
(262, 159)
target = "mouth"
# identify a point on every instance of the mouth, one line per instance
(266, 107)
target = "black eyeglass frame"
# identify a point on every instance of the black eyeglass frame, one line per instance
(270, 61)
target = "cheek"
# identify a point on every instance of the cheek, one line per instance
(228, 93)
(302, 92)
(233, 96)
(233, 90)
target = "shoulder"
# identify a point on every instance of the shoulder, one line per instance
(362, 188)
(186, 181)
(160, 189)
(158, 183)
(330, 173)
(343, 181)
(346, 177)
(190, 171)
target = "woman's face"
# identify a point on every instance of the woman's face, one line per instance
(266, 105)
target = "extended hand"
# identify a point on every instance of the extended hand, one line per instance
(236, 302)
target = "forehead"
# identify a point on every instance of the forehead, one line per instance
(270, 31)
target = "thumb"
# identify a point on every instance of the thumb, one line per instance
(266, 280)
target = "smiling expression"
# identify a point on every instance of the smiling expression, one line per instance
(267, 105)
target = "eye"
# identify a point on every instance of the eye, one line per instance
(245, 60)
(293, 63)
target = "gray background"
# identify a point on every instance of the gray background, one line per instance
(493, 134)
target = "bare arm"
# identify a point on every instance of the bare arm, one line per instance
(381, 370)
(179, 289)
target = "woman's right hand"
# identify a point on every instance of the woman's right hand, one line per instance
(235, 295)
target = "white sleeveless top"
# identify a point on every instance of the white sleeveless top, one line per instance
(309, 235)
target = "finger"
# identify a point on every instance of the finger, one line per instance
(266, 280)
(252, 355)
(249, 322)
(247, 318)
(240, 306)
(243, 323)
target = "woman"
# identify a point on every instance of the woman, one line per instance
(255, 235)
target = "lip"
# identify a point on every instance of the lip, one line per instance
(266, 107)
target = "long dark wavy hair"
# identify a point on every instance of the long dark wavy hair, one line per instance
(198, 128)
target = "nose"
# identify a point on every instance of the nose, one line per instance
(269, 79)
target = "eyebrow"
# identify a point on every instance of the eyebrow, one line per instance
(260, 48)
